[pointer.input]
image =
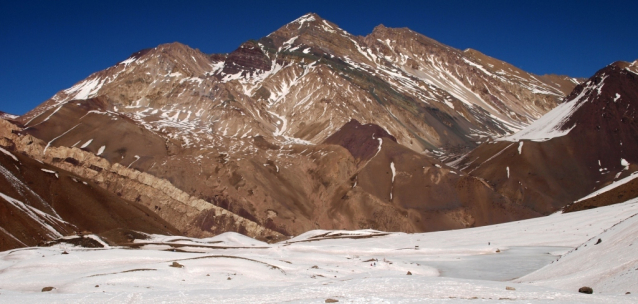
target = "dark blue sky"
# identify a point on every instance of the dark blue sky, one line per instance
(47, 46)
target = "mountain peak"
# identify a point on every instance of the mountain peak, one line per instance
(306, 19)
(379, 28)
(7, 116)
(173, 47)
(621, 64)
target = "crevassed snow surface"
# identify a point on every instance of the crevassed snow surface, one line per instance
(364, 266)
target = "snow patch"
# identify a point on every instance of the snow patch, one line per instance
(303, 19)
(85, 89)
(394, 171)
(610, 186)
(128, 61)
(86, 144)
(45, 220)
(51, 171)
(8, 154)
(607, 262)
(550, 125)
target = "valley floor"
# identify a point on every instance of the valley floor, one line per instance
(485, 264)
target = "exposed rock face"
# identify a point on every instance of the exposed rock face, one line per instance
(40, 202)
(302, 129)
(584, 145)
(248, 60)
(362, 141)
(189, 215)
(408, 191)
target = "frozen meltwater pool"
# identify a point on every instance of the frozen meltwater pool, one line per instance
(506, 265)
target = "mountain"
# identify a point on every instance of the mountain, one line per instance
(307, 79)
(40, 202)
(586, 143)
(309, 127)
(7, 116)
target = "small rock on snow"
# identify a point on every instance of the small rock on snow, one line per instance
(176, 265)
(586, 290)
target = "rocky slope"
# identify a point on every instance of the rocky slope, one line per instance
(581, 146)
(62, 191)
(309, 127)
(308, 78)
(40, 202)
(7, 116)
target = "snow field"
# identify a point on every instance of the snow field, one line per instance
(350, 266)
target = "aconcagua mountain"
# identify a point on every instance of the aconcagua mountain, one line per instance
(309, 127)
